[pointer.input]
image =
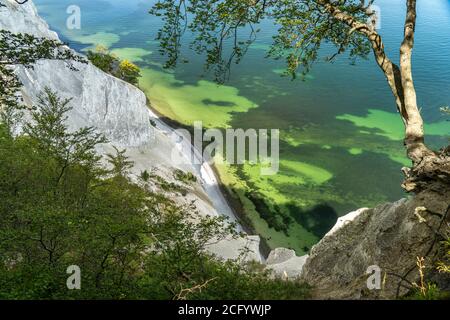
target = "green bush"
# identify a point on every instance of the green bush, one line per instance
(60, 206)
(102, 59)
(128, 72)
(122, 69)
(185, 177)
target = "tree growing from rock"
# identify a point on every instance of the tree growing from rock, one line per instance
(304, 25)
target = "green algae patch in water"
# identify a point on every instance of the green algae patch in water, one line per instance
(261, 215)
(355, 151)
(388, 124)
(131, 54)
(278, 215)
(382, 123)
(340, 135)
(292, 173)
(205, 101)
(313, 173)
(104, 39)
(283, 188)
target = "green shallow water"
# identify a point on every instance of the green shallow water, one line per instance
(340, 146)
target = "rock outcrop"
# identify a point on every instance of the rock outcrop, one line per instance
(20, 18)
(388, 238)
(285, 264)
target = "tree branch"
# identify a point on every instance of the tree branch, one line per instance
(399, 78)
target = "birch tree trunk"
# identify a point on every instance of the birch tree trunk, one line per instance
(430, 170)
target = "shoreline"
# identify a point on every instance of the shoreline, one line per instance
(173, 125)
(232, 203)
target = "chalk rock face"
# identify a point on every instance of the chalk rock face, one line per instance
(388, 238)
(119, 111)
(285, 264)
(24, 18)
(233, 249)
(115, 108)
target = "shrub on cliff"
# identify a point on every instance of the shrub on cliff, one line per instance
(109, 63)
(102, 59)
(128, 72)
(60, 207)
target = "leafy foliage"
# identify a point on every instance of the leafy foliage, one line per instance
(102, 59)
(427, 290)
(61, 207)
(444, 265)
(128, 72)
(304, 25)
(185, 177)
(122, 69)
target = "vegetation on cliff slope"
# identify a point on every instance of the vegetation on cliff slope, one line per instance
(61, 207)
(108, 62)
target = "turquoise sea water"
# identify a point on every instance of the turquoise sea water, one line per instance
(341, 145)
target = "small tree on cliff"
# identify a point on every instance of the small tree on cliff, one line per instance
(304, 26)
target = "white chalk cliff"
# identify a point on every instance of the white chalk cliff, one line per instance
(120, 112)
